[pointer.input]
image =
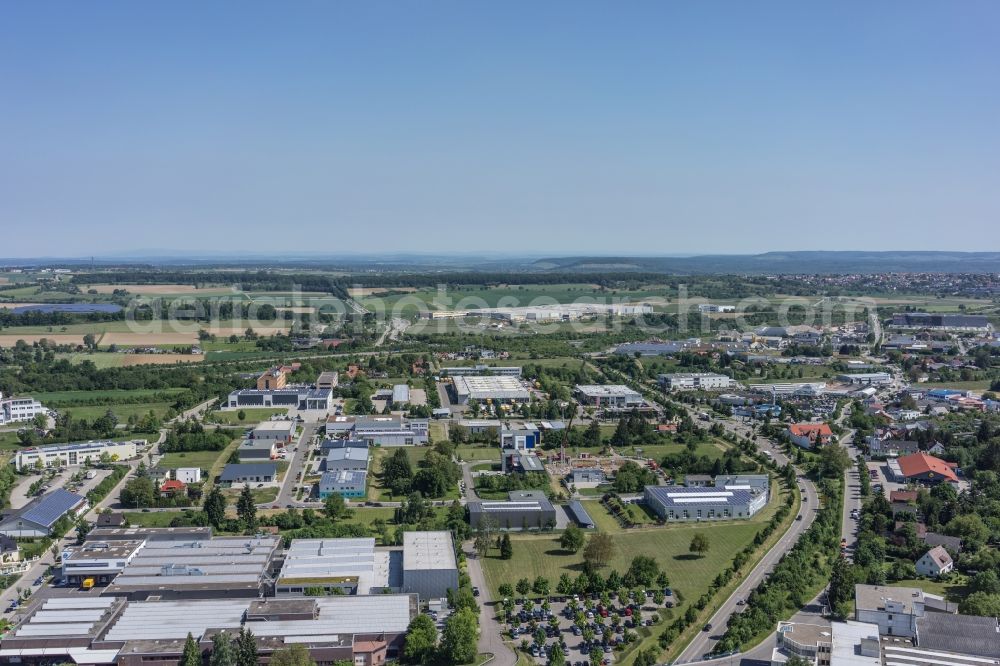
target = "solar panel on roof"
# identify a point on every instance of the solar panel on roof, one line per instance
(51, 507)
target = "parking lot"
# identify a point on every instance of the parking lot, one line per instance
(589, 628)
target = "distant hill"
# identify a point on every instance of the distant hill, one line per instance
(786, 263)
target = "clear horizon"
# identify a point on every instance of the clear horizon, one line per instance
(519, 129)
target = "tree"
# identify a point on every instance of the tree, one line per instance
(646, 657)
(796, 660)
(223, 653)
(834, 460)
(599, 550)
(523, 586)
(572, 539)
(246, 648)
(215, 507)
(139, 493)
(421, 640)
(192, 653)
(557, 657)
(333, 506)
(841, 590)
(458, 641)
(982, 604)
(592, 436)
(506, 547)
(699, 544)
(246, 509)
(294, 655)
(643, 570)
(241, 415)
(970, 528)
(506, 590)
(540, 586)
(397, 473)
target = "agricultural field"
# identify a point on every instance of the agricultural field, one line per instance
(162, 289)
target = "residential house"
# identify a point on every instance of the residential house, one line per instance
(935, 562)
(809, 435)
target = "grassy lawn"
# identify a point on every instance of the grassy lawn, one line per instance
(478, 452)
(123, 412)
(99, 360)
(260, 495)
(199, 459)
(981, 385)
(253, 415)
(541, 555)
(57, 398)
(954, 589)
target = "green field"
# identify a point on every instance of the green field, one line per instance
(123, 412)
(253, 415)
(200, 459)
(981, 385)
(954, 589)
(61, 398)
(542, 556)
(101, 360)
(151, 518)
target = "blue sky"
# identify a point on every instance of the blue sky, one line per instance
(555, 127)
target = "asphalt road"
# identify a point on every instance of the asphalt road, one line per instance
(299, 456)
(490, 631)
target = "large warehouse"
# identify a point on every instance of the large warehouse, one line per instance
(681, 503)
(609, 396)
(497, 389)
(429, 565)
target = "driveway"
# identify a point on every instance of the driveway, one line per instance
(299, 456)
(490, 636)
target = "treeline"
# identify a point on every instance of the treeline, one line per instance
(192, 436)
(247, 280)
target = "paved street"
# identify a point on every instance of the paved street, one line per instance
(490, 636)
(297, 463)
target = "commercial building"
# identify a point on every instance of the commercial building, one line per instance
(482, 370)
(275, 378)
(656, 348)
(810, 435)
(39, 516)
(16, 410)
(828, 644)
(954, 322)
(276, 431)
(794, 389)
(78, 453)
(696, 381)
(681, 503)
(429, 565)
(526, 509)
(894, 609)
(400, 395)
(198, 568)
(383, 430)
(711, 307)
(926, 469)
(293, 397)
(586, 477)
(237, 474)
(97, 560)
(867, 378)
(497, 389)
(609, 396)
(351, 484)
(549, 313)
(955, 635)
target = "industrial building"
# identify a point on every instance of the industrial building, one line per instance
(237, 474)
(497, 389)
(98, 560)
(350, 566)
(350, 484)
(78, 453)
(609, 396)
(17, 410)
(198, 568)
(482, 370)
(400, 395)
(382, 430)
(866, 378)
(682, 503)
(255, 450)
(328, 380)
(519, 436)
(894, 610)
(791, 389)
(548, 313)
(276, 431)
(37, 517)
(363, 630)
(293, 397)
(429, 565)
(524, 509)
(696, 381)
(656, 348)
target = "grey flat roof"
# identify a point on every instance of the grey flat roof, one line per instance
(234, 471)
(428, 550)
(873, 597)
(682, 497)
(967, 634)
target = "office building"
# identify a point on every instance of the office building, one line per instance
(255, 450)
(866, 378)
(482, 370)
(76, 454)
(381, 430)
(98, 560)
(608, 396)
(328, 380)
(293, 397)
(238, 474)
(19, 410)
(894, 609)
(351, 484)
(347, 458)
(696, 381)
(276, 431)
(519, 436)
